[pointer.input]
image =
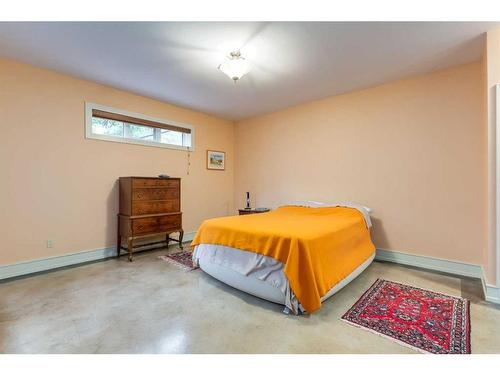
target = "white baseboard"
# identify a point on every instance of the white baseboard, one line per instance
(430, 263)
(492, 293)
(25, 268)
(188, 236)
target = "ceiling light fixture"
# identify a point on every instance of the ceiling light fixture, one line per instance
(235, 66)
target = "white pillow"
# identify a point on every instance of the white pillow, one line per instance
(365, 211)
(322, 204)
(306, 204)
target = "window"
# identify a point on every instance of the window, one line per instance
(119, 126)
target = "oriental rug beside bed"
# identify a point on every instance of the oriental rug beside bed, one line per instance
(182, 259)
(420, 319)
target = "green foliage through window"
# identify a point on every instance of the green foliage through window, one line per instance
(119, 129)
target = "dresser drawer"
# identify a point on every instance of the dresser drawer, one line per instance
(154, 194)
(145, 225)
(155, 207)
(154, 182)
(149, 225)
(166, 223)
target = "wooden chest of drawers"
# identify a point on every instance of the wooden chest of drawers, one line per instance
(149, 206)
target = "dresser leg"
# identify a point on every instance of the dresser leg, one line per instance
(129, 247)
(118, 246)
(167, 239)
(118, 239)
(181, 235)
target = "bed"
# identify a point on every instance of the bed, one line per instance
(297, 255)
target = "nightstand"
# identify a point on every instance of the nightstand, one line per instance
(243, 211)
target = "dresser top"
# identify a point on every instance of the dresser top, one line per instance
(153, 178)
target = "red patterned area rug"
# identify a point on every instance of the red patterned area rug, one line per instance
(182, 259)
(420, 319)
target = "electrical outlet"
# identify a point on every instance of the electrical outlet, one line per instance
(49, 244)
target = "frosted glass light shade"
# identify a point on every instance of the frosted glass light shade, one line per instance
(235, 66)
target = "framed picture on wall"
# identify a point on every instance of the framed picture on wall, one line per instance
(216, 160)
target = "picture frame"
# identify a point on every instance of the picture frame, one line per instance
(216, 160)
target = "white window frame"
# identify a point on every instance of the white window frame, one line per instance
(89, 135)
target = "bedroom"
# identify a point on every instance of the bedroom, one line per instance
(171, 187)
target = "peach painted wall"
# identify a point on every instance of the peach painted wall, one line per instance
(413, 150)
(58, 185)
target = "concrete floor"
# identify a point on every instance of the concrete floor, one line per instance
(150, 306)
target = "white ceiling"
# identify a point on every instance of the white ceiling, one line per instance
(292, 62)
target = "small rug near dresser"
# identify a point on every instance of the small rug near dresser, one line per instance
(182, 259)
(420, 319)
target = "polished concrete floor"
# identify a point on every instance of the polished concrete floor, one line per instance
(150, 306)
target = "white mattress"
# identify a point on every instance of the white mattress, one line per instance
(257, 274)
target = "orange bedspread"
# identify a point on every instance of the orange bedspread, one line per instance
(318, 246)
